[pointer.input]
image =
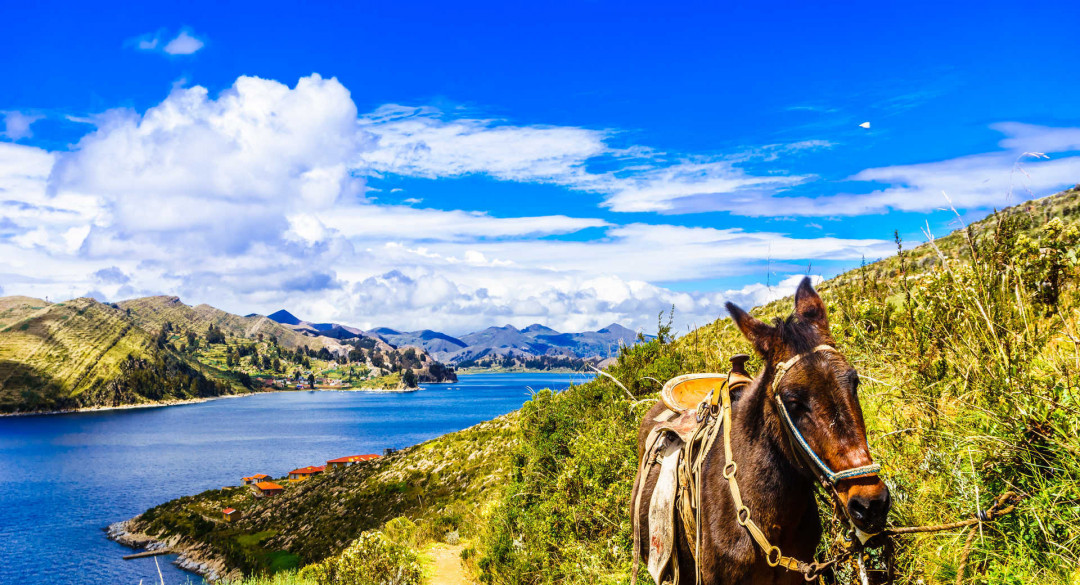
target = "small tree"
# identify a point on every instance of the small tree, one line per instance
(311, 380)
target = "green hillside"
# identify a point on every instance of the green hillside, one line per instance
(968, 349)
(443, 484)
(82, 353)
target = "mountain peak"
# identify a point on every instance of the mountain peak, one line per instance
(284, 317)
(539, 329)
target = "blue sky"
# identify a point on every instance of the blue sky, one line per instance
(458, 165)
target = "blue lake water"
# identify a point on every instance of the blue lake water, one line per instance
(63, 478)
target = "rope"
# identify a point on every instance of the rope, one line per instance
(1002, 505)
(964, 557)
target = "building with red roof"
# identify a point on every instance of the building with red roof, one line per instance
(256, 478)
(350, 460)
(306, 472)
(230, 514)
(268, 488)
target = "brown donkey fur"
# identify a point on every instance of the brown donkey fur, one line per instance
(820, 393)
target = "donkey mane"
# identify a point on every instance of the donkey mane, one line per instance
(798, 335)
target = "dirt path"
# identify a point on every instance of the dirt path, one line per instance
(447, 566)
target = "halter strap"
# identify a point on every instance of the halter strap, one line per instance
(826, 475)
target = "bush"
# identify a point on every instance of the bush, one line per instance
(373, 559)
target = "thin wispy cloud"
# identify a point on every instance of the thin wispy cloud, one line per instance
(183, 43)
(422, 142)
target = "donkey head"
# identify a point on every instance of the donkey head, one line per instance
(820, 394)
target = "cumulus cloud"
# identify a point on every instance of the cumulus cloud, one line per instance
(223, 171)
(17, 124)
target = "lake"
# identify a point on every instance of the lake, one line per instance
(64, 478)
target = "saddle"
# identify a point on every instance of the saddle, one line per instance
(679, 444)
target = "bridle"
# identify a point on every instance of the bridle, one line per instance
(825, 475)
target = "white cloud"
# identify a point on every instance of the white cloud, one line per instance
(227, 169)
(419, 142)
(183, 44)
(686, 187)
(17, 124)
(973, 182)
(254, 199)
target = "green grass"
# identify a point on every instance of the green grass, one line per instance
(971, 388)
(287, 577)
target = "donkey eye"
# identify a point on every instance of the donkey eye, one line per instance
(795, 404)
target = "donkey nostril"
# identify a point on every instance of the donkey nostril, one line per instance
(858, 508)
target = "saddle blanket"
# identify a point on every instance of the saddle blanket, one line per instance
(662, 510)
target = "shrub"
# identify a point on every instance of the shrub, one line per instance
(373, 559)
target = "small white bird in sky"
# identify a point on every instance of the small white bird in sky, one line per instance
(865, 125)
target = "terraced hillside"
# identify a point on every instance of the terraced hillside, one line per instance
(82, 353)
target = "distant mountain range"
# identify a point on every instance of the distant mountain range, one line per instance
(478, 347)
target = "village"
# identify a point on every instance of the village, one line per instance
(264, 486)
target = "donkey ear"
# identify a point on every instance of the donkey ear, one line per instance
(759, 333)
(809, 306)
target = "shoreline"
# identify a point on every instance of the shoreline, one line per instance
(130, 406)
(91, 409)
(188, 557)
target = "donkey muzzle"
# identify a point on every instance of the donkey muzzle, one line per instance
(868, 507)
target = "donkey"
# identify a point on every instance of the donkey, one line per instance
(819, 392)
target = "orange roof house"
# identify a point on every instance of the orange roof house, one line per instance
(347, 461)
(306, 472)
(230, 514)
(268, 488)
(256, 478)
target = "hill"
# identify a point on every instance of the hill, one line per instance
(439, 483)
(85, 354)
(298, 352)
(967, 349)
